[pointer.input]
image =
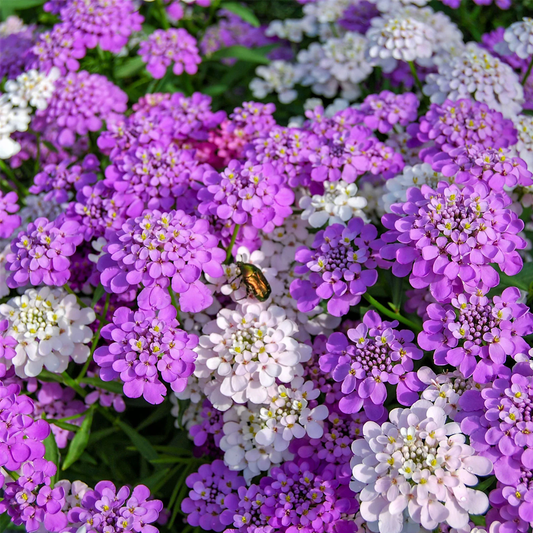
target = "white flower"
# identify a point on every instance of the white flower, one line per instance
(279, 77)
(256, 437)
(292, 29)
(312, 72)
(36, 207)
(191, 414)
(416, 176)
(12, 24)
(373, 194)
(476, 74)
(4, 289)
(98, 246)
(398, 141)
(327, 11)
(246, 350)
(398, 37)
(524, 147)
(444, 390)
(32, 88)
(417, 466)
(519, 38)
(11, 119)
(50, 329)
(194, 390)
(337, 205)
(386, 6)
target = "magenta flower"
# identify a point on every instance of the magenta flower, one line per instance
(212, 500)
(378, 354)
(339, 267)
(165, 47)
(448, 238)
(159, 250)
(146, 349)
(41, 253)
(8, 221)
(477, 334)
(386, 109)
(247, 194)
(500, 427)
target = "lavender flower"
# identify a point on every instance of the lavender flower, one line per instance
(377, 355)
(9, 222)
(453, 236)
(335, 265)
(476, 335)
(384, 110)
(161, 250)
(146, 348)
(171, 46)
(40, 254)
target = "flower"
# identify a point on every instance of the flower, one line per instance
(476, 335)
(162, 250)
(279, 77)
(32, 88)
(499, 424)
(165, 47)
(80, 104)
(246, 194)
(398, 37)
(386, 109)
(519, 38)
(478, 74)
(106, 510)
(212, 500)
(337, 205)
(146, 348)
(12, 119)
(429, 463)
(246, 350)
(40, 254)
(335, 265)
(50, 329)
(449, 242)
(377, 355)
(9, 222)
(258, 436)
(415, 176)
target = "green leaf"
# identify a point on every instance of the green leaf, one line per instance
(130, 67)
(52, 454)
(241, 52)
(478, 520)
(98, 293)
(141, 443)
(111, 386)
(216, 90)
(523, 280)
(243, 12)
(486, 484)
(9, 6)
(64, 425)
(80, 440)
(5, 522)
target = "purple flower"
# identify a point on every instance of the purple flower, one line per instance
(165, 47)
(357, 17)
(252, 120)
(103, 23)
(340, 267)
(80, 104)
(247, 194)
(58, 180)
(40, 254)
(477, 334)
(146, 348)
(208, 433)
(20, 57)
(160, 249)
(500, 427)
(212, 500)
(448, 238)
(378, 354)
(106, 510)
(8, 221)
(461, 123)
(386, 109)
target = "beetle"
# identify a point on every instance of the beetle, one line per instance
(254, 281)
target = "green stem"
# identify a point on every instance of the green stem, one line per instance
(73, 417)
(12, 474)
(391, 314)
(175, 302)
(528, 71)
(232, 243)
(415, 75)
(102, 322)
(70, 291)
